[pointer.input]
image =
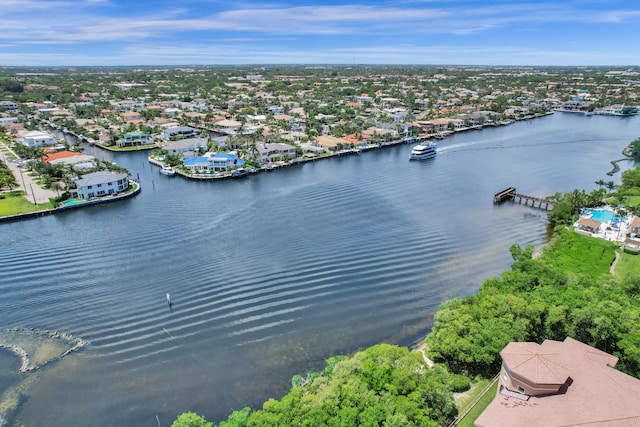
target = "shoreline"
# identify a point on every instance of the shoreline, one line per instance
(94, 202)
(351, 151)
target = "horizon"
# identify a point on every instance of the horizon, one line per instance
(507, 33)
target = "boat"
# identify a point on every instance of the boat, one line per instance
(167, 170)
(425, 150)
(239, 173)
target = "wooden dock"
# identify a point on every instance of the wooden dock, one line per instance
(512, 195)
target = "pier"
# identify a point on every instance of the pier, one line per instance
(511, 195)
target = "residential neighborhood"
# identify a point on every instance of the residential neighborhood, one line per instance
(265, 117)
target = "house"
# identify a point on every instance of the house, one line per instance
(274, 151)
(224, 161)
(8, 120)
(172, 112)
(213, 162)
(631, 245)
(134, 139)
(8, 105)
(53, 157)
(37, 138)
(561, 383)
(185, 145)
(100, 184)
(174, 132)
(329, 143)
(131, 116)
(74, 159)
(358, 139)
(588, 225)
(310, 149)
(230, 127)
(634, 227)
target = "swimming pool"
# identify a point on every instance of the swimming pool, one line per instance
(602, 215)
(70, 202)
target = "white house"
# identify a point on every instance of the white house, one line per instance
(269, 152)
(213, 162)
(37, 138)
(184, 145)
(9, 105)
(177, 131)
(100, 184)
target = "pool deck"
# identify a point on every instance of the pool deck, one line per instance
(608, 231)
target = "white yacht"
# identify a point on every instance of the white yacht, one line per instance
(167, 170)
(425, 150)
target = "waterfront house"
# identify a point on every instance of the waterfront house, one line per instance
(185, 145)
(329, 143)
(269, 152)
(37, 138)
(224, 161)
(213, 162)
(310, 149)
(134, 139)
(99, 184)
(561, 383)
(439, 125)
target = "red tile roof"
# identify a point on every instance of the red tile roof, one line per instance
(60, 155)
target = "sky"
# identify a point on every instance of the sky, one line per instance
(216, 32)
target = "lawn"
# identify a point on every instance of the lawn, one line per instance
(482, 404)
(580, 254)
(627, 265)
(14, 204)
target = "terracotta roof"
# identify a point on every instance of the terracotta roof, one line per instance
(596, 393)
(60, 155)
(534, 363)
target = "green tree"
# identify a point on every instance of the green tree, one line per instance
(191, 419)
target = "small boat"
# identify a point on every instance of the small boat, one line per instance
(239, 173)
(167, 170)
(423, 151)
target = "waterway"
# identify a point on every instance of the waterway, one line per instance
(273, 273)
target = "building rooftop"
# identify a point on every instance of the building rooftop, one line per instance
(594, 392)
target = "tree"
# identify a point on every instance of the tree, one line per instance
(191, 419)
(611, 186)
(635, 149)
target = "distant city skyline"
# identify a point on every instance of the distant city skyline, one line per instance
(215, 32)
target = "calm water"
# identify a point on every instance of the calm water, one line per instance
(272, 274)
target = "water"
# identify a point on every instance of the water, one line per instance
(272, 274)
(604, 215)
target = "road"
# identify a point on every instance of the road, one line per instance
(34, 192)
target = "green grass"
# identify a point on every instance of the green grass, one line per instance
(580, 254)
(627, 265)
(13, 205)
(482, 404)
(474, 391)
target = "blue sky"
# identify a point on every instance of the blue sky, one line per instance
(475, 32)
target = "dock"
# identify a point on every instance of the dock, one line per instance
(512, 195)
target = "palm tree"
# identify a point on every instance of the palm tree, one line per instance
(601, 183)
(611, 186)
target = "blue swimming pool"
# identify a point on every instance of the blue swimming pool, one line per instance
(602, 215)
